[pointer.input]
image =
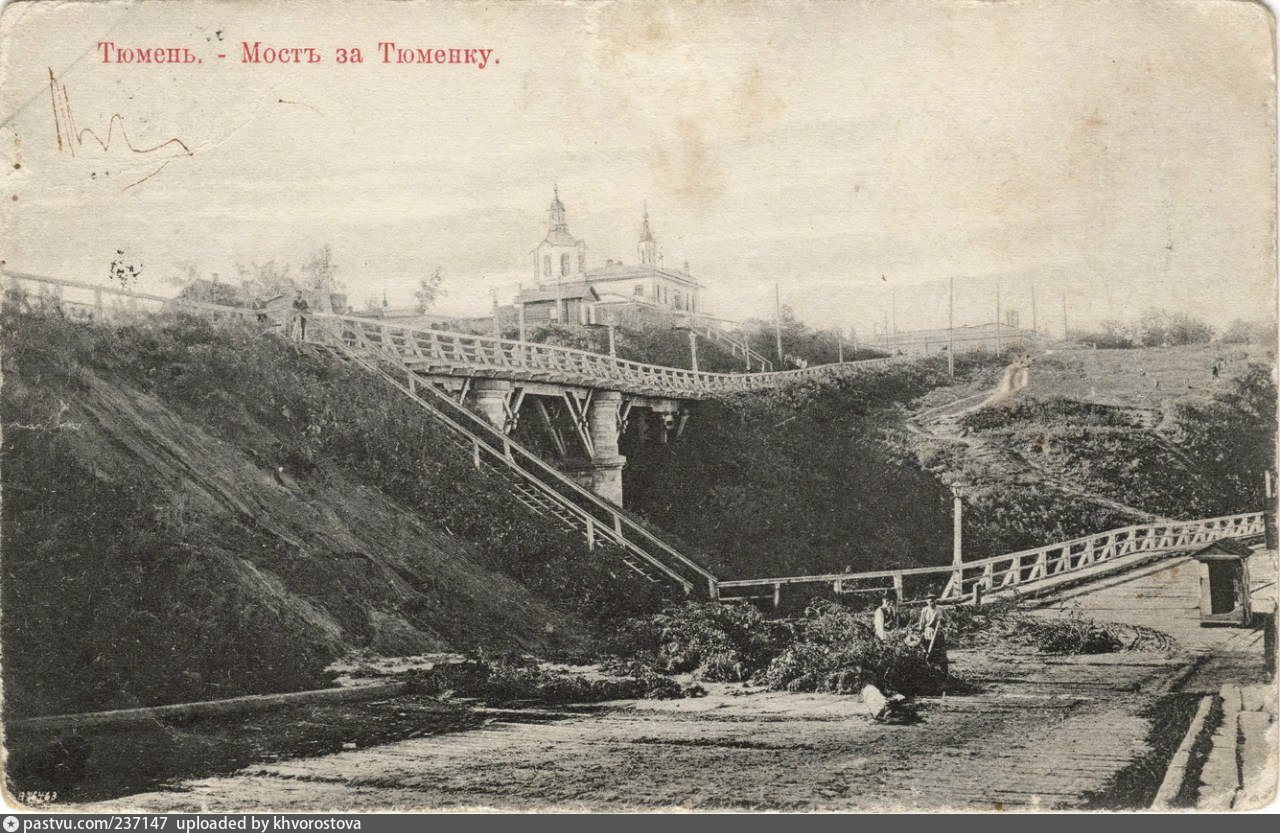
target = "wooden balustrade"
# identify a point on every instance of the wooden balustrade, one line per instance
(1027, 568)
(448, 352)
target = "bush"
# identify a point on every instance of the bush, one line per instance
(1002, 624)
(714, 642)
(837, 651)
(511, 678)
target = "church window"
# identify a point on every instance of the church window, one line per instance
(546, 266)
(564, 266)
(639, 290)
(678, 300)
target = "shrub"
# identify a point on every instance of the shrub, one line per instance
(714, 642)
(837, 651)
(509, 678)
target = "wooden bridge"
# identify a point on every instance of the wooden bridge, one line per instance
(475, 386)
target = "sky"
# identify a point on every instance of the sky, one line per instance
(859, 156)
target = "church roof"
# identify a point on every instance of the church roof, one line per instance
(564, 292)
(560, 236)
(623, 271)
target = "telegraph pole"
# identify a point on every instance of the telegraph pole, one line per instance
(777, 320)
(693, 348)
(957, 548)
(840, 343)
(951, 330)
(497, 326)
(893, 303)
(524, 336)
(999, 326)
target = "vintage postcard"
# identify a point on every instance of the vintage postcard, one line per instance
(643, 406)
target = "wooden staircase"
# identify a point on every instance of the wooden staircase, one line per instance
(534, 483)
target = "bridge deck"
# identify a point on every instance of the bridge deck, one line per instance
(1166, 596)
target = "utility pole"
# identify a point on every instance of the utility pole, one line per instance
(957, 545)
(999, 324)
(840, 343)
(693, 349)
(777, 320)
(524, 335)
(893, 303)
(1035, 327)
(746, 349)
(497, 325)
(951, 330)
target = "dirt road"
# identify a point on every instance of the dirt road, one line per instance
(1062, 733)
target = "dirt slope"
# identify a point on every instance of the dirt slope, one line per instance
(154, 554)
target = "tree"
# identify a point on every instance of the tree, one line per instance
(1113, 335)
(1152, 328)
(1186, 329)
(319, 272)
(429, 290)
(1240, 331)
(267, 280)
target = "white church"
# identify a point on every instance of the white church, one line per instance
(567, 291)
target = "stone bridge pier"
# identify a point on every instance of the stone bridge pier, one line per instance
(597, 421)
(603, 473)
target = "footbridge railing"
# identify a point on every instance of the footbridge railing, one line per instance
(1024, 571)
(465, 354)
(449, 353)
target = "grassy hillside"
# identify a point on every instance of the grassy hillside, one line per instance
(801, 479)
(1102, 439)
(196, 510)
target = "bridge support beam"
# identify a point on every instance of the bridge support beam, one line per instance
(488, 398)
(603, 474)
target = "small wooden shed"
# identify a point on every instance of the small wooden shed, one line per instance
(1224, 583)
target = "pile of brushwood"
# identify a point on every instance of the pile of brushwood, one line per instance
(830, 649)
(509, 679)
(1002, 624)
(833, 648)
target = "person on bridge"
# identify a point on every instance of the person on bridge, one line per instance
(933, 635)
(886, 618)
(300, 309)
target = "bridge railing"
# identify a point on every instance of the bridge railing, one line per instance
(468, 353)
(449, 351)
(599, 519)
(97, 300)
(1044, 565)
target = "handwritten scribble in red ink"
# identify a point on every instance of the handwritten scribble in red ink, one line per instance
(70, 137)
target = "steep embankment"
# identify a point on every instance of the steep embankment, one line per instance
(195, 511)
(1092, 440)
(807, 479)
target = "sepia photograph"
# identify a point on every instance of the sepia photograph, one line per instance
(636, 406)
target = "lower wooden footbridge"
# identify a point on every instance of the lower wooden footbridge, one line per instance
(478, 387)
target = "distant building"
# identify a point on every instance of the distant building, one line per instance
(980, 337)
(568, 292)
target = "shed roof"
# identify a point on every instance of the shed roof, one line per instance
(1224, 548)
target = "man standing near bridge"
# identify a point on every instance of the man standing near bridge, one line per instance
(886, 618)
(932, 635)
